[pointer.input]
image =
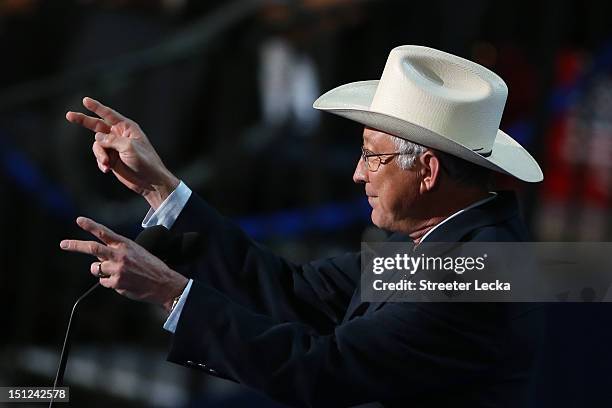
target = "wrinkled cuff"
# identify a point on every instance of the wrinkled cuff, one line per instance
(170, 209)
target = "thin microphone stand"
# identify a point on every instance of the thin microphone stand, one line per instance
(59, 377)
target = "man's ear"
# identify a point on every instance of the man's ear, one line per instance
(430, 169)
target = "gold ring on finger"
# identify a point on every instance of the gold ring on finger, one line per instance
(101, 274)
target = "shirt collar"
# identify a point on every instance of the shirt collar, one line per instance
(492, 195)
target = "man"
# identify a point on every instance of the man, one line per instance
(300, 333)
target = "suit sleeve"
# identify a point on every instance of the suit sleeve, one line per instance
(317, 292)
(401, 350)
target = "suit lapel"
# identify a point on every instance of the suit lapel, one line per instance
(355, 305)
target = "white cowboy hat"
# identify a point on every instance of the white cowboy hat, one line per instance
(440, 101)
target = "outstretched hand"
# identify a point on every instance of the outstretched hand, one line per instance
(122, 147)
(127, 267)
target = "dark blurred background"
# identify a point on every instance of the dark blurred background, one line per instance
(224, 91)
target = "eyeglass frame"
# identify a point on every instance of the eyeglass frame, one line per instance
(370, 153)
(366, 154)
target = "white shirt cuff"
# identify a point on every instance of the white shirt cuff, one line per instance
(170, 209)
(173, 319)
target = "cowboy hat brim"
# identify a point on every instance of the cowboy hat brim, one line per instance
(353, 102)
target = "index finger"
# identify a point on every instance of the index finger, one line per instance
(87, 247)
(103, 233)
(93, 124)
(103, 111)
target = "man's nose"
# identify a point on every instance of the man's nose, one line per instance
(361, 172)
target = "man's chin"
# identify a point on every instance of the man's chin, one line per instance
(382, 222)
(377, 219)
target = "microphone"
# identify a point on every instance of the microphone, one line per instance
(170, 248)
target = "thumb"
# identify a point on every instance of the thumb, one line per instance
(111, 141)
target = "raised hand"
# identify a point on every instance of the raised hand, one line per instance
(122, 147)
(127, 267)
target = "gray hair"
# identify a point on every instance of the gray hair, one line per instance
(410, 151)
(459, 170)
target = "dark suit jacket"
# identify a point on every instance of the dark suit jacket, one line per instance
(301, 334)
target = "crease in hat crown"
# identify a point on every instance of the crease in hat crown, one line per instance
(444, 93)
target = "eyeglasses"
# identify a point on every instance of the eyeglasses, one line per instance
(374, 160)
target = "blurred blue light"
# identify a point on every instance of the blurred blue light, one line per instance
(29, 179)
(291, 223)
